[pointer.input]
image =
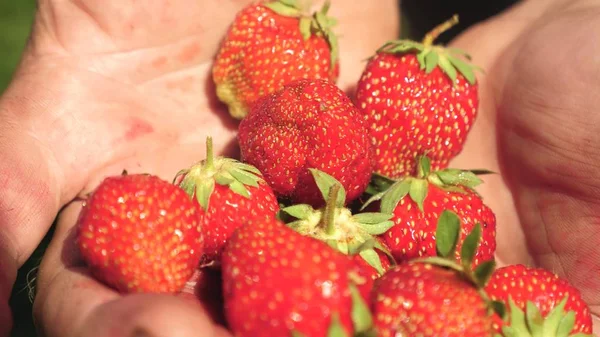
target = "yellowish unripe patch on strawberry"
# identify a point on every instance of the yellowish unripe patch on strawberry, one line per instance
(269, 45)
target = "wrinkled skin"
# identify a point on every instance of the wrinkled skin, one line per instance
(125, 85)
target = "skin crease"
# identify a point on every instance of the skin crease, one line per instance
(102, 88)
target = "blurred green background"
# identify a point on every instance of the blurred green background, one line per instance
(15, 21)
(16, 17)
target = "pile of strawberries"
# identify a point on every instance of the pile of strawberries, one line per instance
(341, 218)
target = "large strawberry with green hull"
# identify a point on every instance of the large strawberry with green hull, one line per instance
(307, 124)
(350, 234)
(417, 98)
(436, 296)
(416, 203)
(139, 233)
(229, 193)
(539, 303)
(277, 282)
(272, 43)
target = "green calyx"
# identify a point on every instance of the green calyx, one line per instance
(336, 225)
(199, 180)
(317, 23)
(451, 61)
(390, 192)
(447, 237)
(531, 323)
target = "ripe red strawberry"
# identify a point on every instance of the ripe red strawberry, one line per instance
(351, 234)
(418, 98)
(435, 296)
(428, 301)
(229, 193)
(416, 203)
(277, 282)
(139, 233)
(541, 294)
(307, 124)
(270, 44)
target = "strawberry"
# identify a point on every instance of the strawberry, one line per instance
(416, 203)
(351, 234)
(418, 98)
(307, 124)
(277, 282)
(538, 301)
(229, 193)
(139, 233)
(428, 301)
(270, 44)
(435, 296)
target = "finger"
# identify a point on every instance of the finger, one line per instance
(486, 43)
(70, 302)
(549, 133)
(149, 315)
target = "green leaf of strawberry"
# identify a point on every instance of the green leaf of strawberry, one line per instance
(469, 247)
(317, 23)
(336, 329)
(390, 191)
(459, 177)
(203, 192)
(531, 323)
(351, 234)
(378, 183)
(301, 211)
(325, 182)
(372, 258)
(418, 192)
(430, 56)
(361, 315)
(447, 233)
(484, 272)
(390, 200)
(200, 179)
(371, 217)
(285, 7)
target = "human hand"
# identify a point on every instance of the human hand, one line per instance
(546, 167)
(537, 127)
(106, 86)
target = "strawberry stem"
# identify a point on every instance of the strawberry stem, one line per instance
(209, 164)
(330, 207)
(438, 30)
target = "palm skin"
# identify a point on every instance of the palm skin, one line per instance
(106, 86)
(538, 129)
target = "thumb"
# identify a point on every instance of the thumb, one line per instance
(550, 146)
